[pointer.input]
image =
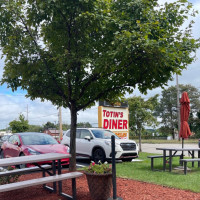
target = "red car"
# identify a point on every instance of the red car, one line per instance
(31, 143)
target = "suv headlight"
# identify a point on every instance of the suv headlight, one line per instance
(108, 143)
(68, 149)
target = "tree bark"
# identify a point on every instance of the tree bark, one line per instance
(173, 135)
(140, 141)
(72, 161)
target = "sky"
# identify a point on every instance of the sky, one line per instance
(12, 104)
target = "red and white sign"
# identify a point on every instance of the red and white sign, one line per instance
(114, 119)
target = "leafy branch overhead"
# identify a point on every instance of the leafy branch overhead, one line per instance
(85, 50)
(74, 53)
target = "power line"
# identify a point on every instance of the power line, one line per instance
(43, 116)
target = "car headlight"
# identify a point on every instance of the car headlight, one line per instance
(68, 150)
(33, 152)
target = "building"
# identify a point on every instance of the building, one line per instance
(53, 132)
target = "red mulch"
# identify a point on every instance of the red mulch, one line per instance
(126, 189)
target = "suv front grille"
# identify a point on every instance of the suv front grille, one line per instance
(128, 146)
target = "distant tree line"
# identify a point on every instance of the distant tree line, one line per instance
(22, 125)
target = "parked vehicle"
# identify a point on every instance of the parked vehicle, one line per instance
(3, 139)
(95, 143)
(31, 143)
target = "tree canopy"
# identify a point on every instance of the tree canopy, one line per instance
(167, 107)
(142, 114)
(49, 125)
(74, 53)
(18, 126)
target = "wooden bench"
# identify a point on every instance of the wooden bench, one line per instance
(159, 156)
(44, 180)
(185, 161)
(24, 170)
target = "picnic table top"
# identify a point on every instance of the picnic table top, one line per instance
(178, 149)
(32, 159)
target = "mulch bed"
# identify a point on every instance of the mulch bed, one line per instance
(126, 189)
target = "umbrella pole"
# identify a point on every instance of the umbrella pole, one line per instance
(182, 142)
(182, 151)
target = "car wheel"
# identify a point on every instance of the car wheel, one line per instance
(22, 165)
(99, 155)
(2, 154)
(127, 159)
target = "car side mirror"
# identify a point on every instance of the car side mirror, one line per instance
(16, 143)
(87, 138)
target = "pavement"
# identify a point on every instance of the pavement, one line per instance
(151, 148)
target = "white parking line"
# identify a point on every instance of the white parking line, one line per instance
(80, 165)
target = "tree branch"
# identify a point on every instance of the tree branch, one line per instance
(61, 92)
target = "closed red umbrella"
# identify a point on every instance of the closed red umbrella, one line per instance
(184, 112)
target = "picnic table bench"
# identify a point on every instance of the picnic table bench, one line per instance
(159, 156)
(44, 180)
(55, 175)
(185, 161)
(25, 170)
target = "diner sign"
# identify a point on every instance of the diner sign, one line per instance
(114, 119)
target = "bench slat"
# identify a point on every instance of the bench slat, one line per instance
(39, 181)
(161, 156)
(190, 160)
(24, 170)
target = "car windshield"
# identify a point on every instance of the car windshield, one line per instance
(5, 137)
(104, 134)
(38, 139)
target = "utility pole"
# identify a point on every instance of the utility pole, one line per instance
(60, 123)
(178, 104)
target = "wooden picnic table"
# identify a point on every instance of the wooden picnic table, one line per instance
(171, 152)
(55, 174)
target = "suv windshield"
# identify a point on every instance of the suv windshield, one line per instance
(104, 134)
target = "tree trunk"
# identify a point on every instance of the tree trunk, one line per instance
(140, 139)
(173, 135)
(72, 161)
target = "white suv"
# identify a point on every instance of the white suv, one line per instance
(95, 143)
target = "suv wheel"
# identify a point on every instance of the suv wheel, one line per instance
(99, 155)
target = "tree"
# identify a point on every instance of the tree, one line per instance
(142, 114)
(84, 125)
(167, 109)
(74, 53)
(18, 126)
(49, 125)
(65, 127)
(35, 128)
(79, 125)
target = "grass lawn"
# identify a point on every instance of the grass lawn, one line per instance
(176, 179)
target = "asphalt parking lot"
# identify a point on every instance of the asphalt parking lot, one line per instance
(151, 148)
